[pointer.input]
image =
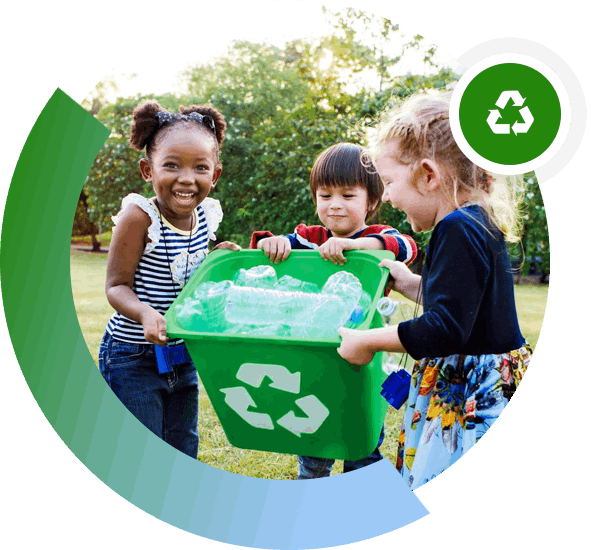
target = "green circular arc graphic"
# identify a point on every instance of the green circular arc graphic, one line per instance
(91, 421)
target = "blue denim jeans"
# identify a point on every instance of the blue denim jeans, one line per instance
(312, 468)
(167, 404)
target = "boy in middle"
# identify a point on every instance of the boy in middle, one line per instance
(347, 191)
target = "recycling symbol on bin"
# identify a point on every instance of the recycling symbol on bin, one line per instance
(253, 374)
(495, 115)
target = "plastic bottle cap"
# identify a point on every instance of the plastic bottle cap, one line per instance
(357, 315)
(386, 306)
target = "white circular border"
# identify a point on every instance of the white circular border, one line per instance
(475, 70)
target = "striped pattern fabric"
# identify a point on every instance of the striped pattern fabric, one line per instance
(153, 283)
(311, 237)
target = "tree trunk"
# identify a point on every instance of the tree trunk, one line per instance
(96, 244)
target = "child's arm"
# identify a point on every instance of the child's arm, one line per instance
(333, 249)
(125, 252)
(405, 281)
(359, 346)
(277, 249)
(402, 246)
(380, 237)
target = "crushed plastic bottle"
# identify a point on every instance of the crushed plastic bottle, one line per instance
(261, 306)
(348, 289)
(260, 276)
(204, 311)
(257, 303)
(361, 310)
(287, 282)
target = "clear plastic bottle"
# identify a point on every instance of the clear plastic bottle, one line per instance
(287, 282)
(331, 316)
(204, 311)
(361, 310)
(258, 306)
(188, 315)
(277, 311)
(260, 276)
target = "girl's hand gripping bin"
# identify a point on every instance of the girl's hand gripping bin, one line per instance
(284, 394)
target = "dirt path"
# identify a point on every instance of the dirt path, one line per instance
(88, 248)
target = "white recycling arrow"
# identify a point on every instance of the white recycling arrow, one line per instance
(254, 374)
(528, 119)
(239, 400)
(510, 94)
(316, 414)
(492, 122)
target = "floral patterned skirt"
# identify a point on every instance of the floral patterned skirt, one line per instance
(452, 403)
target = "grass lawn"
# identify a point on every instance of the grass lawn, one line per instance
(88, 281)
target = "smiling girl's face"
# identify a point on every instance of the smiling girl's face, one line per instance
(183, 170)
(403, 189)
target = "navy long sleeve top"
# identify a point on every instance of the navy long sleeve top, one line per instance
(468, 297)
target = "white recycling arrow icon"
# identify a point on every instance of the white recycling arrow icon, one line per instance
(316, 414)
(253, 374)
(497, 128)
(518, 127)
(239, 399)
(505, 96)
(528, 119)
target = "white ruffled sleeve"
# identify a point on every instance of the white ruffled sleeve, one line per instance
(154, 232)
(213, 215)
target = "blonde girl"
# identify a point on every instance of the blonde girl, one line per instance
(469, 351)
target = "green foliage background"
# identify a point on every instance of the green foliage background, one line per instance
(284, 106)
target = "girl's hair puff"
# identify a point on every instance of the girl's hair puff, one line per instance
(347, 165)
(146, 132)
(421, 129)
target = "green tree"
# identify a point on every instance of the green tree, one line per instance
(282, 111)
(115, 172)
(283, 107)
(535, 244)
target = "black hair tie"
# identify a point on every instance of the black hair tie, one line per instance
(164, 117)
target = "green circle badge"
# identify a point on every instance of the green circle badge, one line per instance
(509, 114)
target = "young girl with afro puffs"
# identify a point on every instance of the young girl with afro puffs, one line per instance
(157, 244)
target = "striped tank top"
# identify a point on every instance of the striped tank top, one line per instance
(165, 265)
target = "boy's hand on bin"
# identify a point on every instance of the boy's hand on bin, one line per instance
(333, 249)
(277, 249)
(353, 348)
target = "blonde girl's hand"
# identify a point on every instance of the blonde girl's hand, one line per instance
(333, 249)
(227, 245)
(353, 348)
(154, 325)
(277, 249)
(405, 281)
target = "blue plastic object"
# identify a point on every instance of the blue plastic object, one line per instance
(171, 356)
(356, 316)
(396, 388)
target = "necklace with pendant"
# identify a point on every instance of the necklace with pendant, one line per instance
(184, 252)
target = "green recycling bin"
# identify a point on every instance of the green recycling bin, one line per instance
(284, 394)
